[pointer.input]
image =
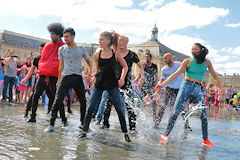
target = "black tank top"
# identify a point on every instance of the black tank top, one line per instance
(105, 77)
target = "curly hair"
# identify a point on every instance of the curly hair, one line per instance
(56, 28)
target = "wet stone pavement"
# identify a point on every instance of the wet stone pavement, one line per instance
(21, 140)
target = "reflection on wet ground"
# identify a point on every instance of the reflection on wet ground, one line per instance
(21, 140)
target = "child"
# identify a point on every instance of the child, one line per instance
(235, 102)
(221, 97)
(1, 73)
(22, 88)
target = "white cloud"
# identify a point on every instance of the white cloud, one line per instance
(151, 4)
(118, 15)
(234, 25)
(229, 68)
(180, 43)
(236, 50)
(219, 58)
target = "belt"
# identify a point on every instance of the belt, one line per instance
(194, 82)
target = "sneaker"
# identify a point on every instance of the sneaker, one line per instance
(207, 143)
(83, 136)
(26, 114)
(127, 139)
(81, 126)
(49, 129)
(32, 120)
(69, 111)
(104, 127)
(163, 139)
(133, 131)
(10, 101)
(4, 100)
(65, 124)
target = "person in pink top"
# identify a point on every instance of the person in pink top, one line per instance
(22, 87)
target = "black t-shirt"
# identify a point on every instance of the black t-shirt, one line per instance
(36, 60)
(129, 58)
(150, 74)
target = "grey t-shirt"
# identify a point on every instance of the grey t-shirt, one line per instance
(11, 68)
(168, 71)
(72, 59)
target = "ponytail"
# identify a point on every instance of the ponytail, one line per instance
(113, 37)
(202, 54)
(115, 40)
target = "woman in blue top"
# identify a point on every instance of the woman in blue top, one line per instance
(195, 69)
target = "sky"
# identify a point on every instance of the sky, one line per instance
(181, 23)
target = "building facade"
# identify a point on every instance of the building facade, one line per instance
(234, 80)
(157, 50)
(23, 45)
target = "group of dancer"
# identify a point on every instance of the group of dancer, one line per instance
(59, 69)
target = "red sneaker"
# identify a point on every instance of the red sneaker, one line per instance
(163, 139)
(207, 143)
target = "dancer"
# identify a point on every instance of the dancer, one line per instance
(105, 61)
(195, 69)
(70, 63)
(172, 87)
(149, 82)
(29, 74)
(126, 90)
(48, 68)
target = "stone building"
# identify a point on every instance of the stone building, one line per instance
(23, 45)
(234, 80)
(157, 50)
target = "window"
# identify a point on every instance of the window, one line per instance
(12, 42)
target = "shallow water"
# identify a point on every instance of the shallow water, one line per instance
(21, 140)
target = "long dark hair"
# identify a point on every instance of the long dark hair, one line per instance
(202, 54)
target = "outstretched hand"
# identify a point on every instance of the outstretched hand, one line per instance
(158, 87)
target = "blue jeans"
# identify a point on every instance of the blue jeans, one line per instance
(11, 82)
(117, 101)
(186, 91)
(101, 105)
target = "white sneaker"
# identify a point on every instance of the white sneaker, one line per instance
(49, 129)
